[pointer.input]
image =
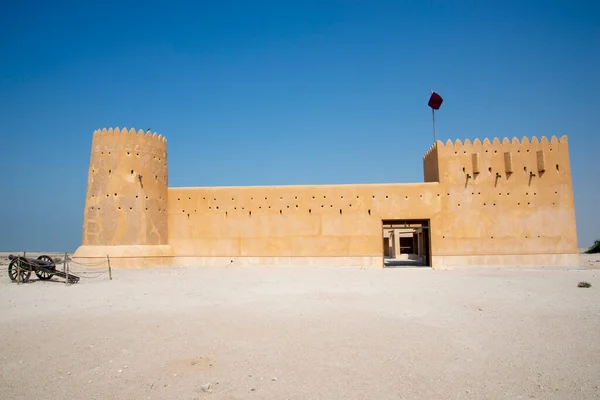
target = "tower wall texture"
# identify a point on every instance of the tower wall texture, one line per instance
(126, 201)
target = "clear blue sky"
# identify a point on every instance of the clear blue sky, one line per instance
(283, 92)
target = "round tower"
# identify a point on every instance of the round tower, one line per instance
(126, 200)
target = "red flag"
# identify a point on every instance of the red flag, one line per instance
(435, 101)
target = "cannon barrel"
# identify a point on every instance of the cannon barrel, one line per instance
(34, 261)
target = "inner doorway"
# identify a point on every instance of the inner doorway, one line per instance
(406, 243)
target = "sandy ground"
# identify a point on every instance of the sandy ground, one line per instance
(303, 333)
(589, 260)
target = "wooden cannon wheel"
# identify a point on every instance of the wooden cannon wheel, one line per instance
(12, 271)
(43, 275)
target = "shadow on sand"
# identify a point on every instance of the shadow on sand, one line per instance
(407, 261)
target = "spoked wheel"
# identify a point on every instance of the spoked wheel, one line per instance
(13, 271)
(43, 275)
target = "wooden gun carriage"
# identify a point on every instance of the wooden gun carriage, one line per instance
(43, 266)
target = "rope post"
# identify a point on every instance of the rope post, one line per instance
(65, 261)
(66, 271)
(109, 269)
(19, 271)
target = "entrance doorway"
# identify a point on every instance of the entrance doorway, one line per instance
(406, 243)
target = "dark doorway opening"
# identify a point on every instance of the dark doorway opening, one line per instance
(406, 243)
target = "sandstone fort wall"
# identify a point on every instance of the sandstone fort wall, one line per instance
(489, 203)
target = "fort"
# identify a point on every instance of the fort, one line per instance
(490, 203)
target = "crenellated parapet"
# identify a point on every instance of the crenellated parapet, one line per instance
(125, 133)
(513, 160)
(496, 143)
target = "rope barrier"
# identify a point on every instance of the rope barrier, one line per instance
(90, 277)
(93, 264)
(97, 273)
(88, 272)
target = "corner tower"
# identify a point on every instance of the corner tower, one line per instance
(504, 202)
(126, 200)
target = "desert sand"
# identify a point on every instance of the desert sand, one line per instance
(304, 333)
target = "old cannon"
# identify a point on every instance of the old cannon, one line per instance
(43, 266)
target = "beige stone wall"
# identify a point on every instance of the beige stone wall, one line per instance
(121, 208)
(430, 165)
(515, 213)
(475, 216)
(275, 221)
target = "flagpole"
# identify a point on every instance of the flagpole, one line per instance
(433, 118)
(435, 101)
